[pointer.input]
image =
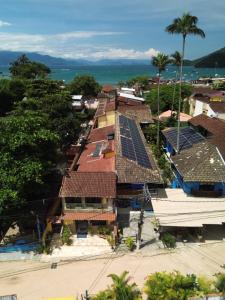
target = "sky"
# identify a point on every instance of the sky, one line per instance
(103, 29)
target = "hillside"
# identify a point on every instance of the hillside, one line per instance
(213, 60)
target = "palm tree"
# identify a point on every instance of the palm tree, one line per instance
(186, 25)
(159, 61)
(176, 60)
(120, 289)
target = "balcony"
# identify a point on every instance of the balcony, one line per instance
(88, 206)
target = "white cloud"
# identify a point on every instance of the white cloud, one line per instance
(3, 23)
(66, 45)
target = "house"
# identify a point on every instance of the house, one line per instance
(135, 165)
(167, 114)
(207, 101)
(213, 129)
(88, 190)
(105, 113)
(78, 102)
(130, 97)
(199, 167)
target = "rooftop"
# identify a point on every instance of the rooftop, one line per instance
(99, 134)
(167, 114)
(200, 163)
(92, 216)
(130, 96)
(141, 113)
(104, 105)
(134, 161)
(214, 126)
(175, 208)
(218, 107)
(88, 184)
(188, 137)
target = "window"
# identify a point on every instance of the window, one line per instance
(93, 200)
(73, 200)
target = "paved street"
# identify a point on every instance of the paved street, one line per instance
(35, 280)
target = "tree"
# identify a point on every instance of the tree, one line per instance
(142, 81)
(27, 152)
(120, 289)
(176, 60)
(11, 92)
(159, 61)
(173, 286)
(85, 85)
(27, 69)
(166, 94)
(186, 25)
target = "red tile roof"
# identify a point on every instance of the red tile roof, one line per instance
(89, 184)
(218, 107)
(108, 88)
(89, 163)
(92, 216)
(99, 134)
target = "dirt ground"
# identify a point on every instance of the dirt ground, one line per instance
(36, 281)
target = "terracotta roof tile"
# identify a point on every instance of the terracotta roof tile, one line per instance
(201, 163)
(99, 134)
(218, 107)
(215, 127)
(96, 216)
(140, 112)
(89, 184)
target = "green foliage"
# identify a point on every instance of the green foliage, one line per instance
(85, 85)
(27, 69)
(120, 289)
(39, 88)
(111, 240)
(169, 241)
(66, 235)
(104, 230)
(219, 86)
(11, 91)
(129, 242)
(160, 61)
(220, 282)
(142, 81)
(171, 286)
(27, 151)
(166, 96)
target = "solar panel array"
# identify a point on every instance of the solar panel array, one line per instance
(131, 142)
(188, 137)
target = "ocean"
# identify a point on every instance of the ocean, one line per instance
(115, 73)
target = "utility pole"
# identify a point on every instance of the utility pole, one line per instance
(144, 200)
(38, 228)
(86, 296)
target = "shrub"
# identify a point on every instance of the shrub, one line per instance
(111, 240)
(66, 234)
(104, 230)
(92, 230)
(129, 242)
(169, 241)
(220, 282)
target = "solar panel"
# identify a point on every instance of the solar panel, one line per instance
(131, 142)
(188, 137)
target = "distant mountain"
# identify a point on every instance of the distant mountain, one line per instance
(213, 60)
(6, 57)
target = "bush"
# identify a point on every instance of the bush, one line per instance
(111, 240)
(129, 242)
(220, 282)
(169, 241)
(92, 230)
(162, 161)
(104, 230)
(66, 234)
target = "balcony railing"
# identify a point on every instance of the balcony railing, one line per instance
(87, 206)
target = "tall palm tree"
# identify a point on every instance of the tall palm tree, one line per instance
(176, 61)
(186, 25)
(159, 61)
